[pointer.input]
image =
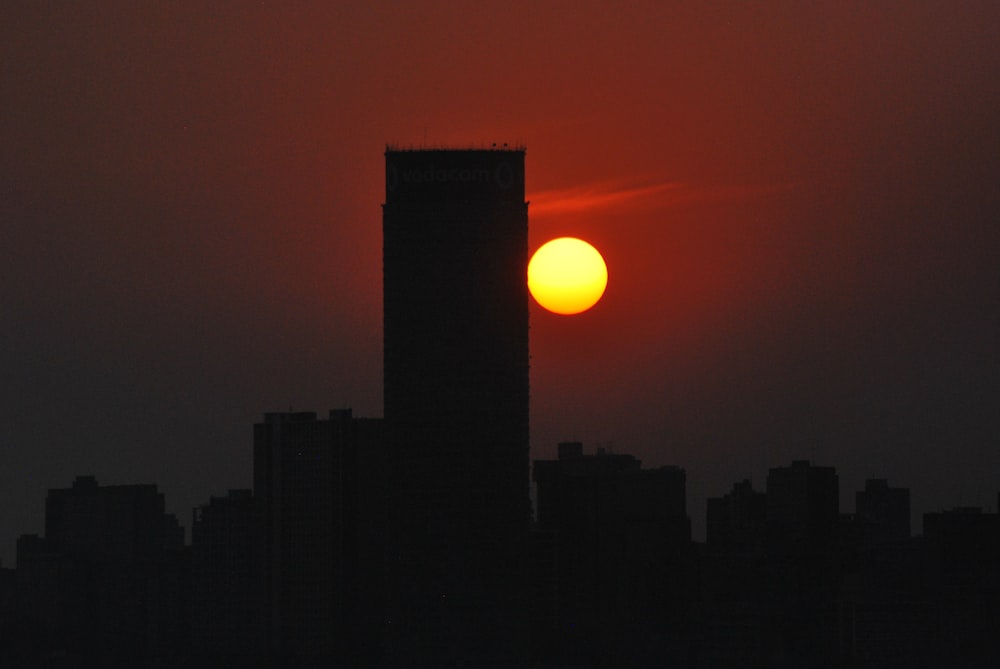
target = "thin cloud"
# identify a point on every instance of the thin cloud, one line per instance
(616, 194)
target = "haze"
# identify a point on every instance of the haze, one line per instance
(798, 204)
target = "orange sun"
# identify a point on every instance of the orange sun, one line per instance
(567, 276)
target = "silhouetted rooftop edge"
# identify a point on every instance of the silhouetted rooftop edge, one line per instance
(395, 147)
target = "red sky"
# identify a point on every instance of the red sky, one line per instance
(798, 204)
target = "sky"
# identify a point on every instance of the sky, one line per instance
(797, 203)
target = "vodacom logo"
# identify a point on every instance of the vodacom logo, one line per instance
(502, 175)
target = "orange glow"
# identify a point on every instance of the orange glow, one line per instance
(567, 276)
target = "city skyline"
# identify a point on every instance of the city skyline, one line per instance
(700, 535)
(293, 572)
(797, 207)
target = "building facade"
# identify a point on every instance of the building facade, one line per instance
(882, 512)
(314, 586)
(623, 555)
(225, 620)
(455, 245)
(803, 508)
(735, 521)
(109, 578)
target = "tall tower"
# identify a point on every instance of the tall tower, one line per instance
(455, 246)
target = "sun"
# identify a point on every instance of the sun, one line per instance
(567, 276)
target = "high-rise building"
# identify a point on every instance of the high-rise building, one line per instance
(307, 478)
(734, 580)
(224, 616)
(455, 245)
(111, 523)
(622, 551)
(802, 545)
(120, 567)
(803, 507)
(882, 513)
(735, 521)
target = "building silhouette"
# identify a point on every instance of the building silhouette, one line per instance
(735, 610)
(803, 560)
(9, 615)
(963, 557)
(455, 244)
(111, 523)
(803, 508)
(41, 591)
(314, 590)
(108, 580)
(882, 513)
(611, 576)
(736, 520)
(225, 618)
(887, 615)
(623, 556)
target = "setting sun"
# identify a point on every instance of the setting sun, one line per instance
(567, 276)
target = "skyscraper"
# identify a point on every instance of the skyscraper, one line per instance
(308, 473)
(455, 245)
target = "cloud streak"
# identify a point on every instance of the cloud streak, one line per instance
(631, 197)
